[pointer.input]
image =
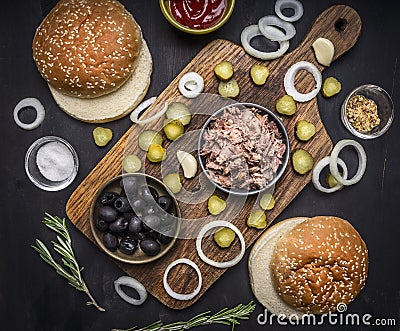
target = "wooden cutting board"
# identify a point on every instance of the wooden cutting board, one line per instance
(340, 24)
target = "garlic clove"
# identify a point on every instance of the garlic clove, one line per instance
(324, 51)
(188, 163)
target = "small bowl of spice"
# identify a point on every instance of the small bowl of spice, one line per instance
(367, 112)
(51, 163)
(197, 17)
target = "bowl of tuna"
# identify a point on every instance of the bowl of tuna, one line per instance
(243, 148)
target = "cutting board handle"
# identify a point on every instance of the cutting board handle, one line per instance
(340, 24)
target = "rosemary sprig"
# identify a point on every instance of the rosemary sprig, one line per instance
(225, 316)
(64, 248)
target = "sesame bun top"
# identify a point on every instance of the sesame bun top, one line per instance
(87, 48)
(319, 263)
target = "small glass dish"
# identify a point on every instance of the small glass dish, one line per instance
(385, 110)
(166, 10)
(32, 169)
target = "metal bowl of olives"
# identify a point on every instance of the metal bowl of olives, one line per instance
(134, 218)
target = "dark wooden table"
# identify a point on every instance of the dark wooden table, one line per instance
(33, 297)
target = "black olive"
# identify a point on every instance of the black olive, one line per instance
(149, 210)
(165, 202)
(152, 221)
(108, 213)
(128, 246)
(108, 198)
(128, 216)
(119, 225)
(122, 205)
(101, 224)
(138, 205)
(150, 246)
(110, 241)
(149, 193)
(129, 185)
(162, 238)
(135, 224)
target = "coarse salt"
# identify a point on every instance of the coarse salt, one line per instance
(55, 161)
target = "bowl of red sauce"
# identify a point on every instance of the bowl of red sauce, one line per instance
(197, 16)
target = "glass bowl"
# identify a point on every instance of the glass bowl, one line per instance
(34, 173)
(285, 157)
(384, 105)
(165, 9)
(120, 185)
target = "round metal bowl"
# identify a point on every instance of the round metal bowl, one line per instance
(385, 110)
(166, 10)
(282, 166)
(114, 185)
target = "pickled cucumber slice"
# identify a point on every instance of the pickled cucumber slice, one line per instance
(102, 136)
(216, 205)
(179, 111)
(229, 89)
(302, 161)
(148, 137)
(132, 163)
(304, 130)
(156, 153)
(257, 219)
(224, 70)
(224, 237)
(267, 201)
(173, 182)
(286, 105)
(330, 87)
(259, 74)
(173, 129)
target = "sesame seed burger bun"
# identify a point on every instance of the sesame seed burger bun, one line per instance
(114, 105)
(87, 48)
(308, 265)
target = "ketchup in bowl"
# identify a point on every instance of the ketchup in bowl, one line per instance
(197, 14)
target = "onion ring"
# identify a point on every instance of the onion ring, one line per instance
(142, 106)
(132, 283)
(289, 4)
(191, 85)
(216, 224)
(317, 170)
(137, 111)
(252, 31)
(178, 296)
(290, 76)
(39, 109)
(271, 20)
(362, 162)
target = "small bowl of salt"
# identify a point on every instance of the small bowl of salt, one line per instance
(51, 163)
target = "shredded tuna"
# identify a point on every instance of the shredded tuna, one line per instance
(242, 149)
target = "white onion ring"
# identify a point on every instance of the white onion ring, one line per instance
(142, 106)
(216, 224)
(179, 296)
(271, 20)
(288, 81)
(39, 109)
(252, 31)
(137, 111)
(132, 283)
(362, 162)
(317, 170)
(290, 4)
(191, 85)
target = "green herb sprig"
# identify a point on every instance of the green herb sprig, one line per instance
(225, 316)
(64, 248)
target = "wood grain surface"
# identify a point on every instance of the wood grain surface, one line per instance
(342, 25)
